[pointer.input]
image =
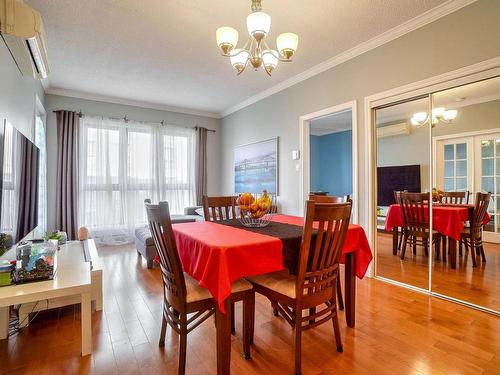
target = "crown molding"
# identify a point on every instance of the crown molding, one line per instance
(130, 102)
(415, 23)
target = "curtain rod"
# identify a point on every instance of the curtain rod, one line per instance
(126, 120)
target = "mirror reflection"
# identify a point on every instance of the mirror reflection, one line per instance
(466, 145)
(403, 170)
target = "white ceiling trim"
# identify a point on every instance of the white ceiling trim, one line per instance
(388, 36)
(134, 103)
(322, 131)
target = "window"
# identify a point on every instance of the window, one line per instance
(123, 164)
(455, 167)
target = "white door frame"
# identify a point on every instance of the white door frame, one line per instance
(476, 72)
(304, 176)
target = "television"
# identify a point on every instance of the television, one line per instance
(389, 179)
(19, 171)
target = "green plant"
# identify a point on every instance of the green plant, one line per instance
(52, 236)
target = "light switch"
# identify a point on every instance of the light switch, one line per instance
(295, 155)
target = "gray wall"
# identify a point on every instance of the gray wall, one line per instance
(17, 94)
(55, 102)
(465, 37)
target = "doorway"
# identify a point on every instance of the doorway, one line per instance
(329, 157)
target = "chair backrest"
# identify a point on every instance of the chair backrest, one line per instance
(480, 209)
(174, 285)
(415, 210)
(219, 208)
(397, 195)
(329, 198)
(319, 256)
(455, 197)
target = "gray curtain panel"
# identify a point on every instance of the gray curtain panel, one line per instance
(27, 211)
(201, 164)
(67, 172)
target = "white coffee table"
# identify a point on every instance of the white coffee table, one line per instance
(71, 280)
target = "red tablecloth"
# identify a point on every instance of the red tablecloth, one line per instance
(447, 220)
(217, 255)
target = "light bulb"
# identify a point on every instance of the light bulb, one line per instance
(287, 44)
(258, 25)
(270, 59)
(239, 60)
(419, 118)
(227, 38)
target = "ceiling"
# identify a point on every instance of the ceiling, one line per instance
(334, 123)
(163, 52)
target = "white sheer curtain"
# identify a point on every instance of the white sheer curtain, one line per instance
(121, 164)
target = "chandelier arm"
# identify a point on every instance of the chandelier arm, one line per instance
(244, 48)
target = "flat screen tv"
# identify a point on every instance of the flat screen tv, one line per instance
(19, 171)
(402, 177)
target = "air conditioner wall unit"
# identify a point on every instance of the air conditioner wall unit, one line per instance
(393, 130)
(22, 29)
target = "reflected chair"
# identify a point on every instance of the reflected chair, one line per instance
(397, 199)
(455, 197)
(318, 270)
(219, 208)
(186, 304)
(415, 209)
(472, 236)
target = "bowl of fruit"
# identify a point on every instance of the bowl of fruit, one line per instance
(256, 209)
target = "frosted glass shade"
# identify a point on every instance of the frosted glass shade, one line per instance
(227, 38)
(270, 59)
(258, 24)
(287, 44)
(438, 112)
(450, 114)
(419, 118)
(239, 59)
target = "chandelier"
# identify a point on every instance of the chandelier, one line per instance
(439, 114)
(256, 51)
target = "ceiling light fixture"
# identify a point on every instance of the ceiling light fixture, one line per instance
(439, 114)
(256, 51)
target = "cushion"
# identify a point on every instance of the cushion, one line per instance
(195, 292)
(281, 282)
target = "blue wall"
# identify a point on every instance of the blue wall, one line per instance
(331, 163)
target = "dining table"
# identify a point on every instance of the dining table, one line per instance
(218, 253)
(447, 219)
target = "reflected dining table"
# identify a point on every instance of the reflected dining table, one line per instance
(447, 219)
(217, 254)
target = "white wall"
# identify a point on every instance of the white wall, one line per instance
(55, 102)
(462, 38)
(17, 94)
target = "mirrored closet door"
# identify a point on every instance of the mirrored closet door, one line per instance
(466, 172)
(403, 191)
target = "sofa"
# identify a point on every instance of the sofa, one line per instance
(144, 242)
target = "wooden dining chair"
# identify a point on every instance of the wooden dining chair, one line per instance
(472, 236)
(219, 208)
(186, 304)
(332, 199)
(397, 199)
(415, 209)
(318, 270)
(455, 197)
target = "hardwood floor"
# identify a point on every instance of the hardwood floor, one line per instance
(480, 285)
(397, 332)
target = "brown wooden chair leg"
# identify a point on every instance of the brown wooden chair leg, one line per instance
(298, 342)
(183, 344)
(248, 322)
(163, 331)
(312, 311)
(233, 324)
(472, 251)
(275, 309)
(340, 299)
(336, 330)
(460, 247)
(481, 249)
(405, 243)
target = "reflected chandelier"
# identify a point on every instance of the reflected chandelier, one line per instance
(256, 51)
(439, 114)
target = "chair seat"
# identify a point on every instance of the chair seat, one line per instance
(195, 292)
(281, 282)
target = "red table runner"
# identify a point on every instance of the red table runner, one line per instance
(217, 255)
(447, 220)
